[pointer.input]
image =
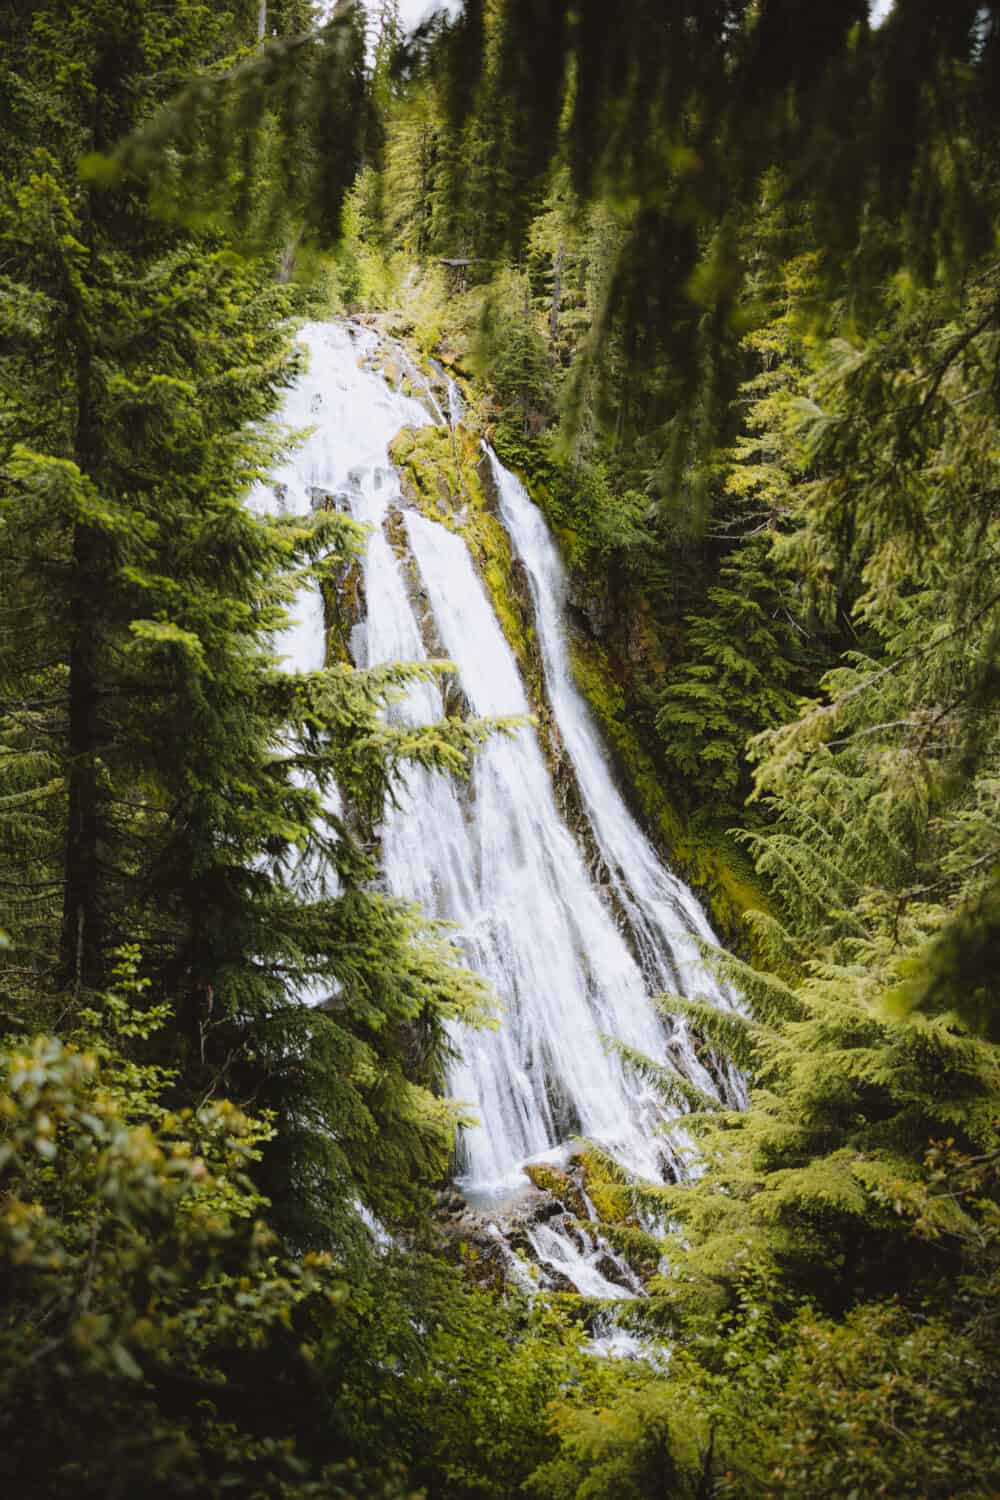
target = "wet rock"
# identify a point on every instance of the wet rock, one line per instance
(549, 1179)
(555, 1281)
(449, 1201)
(611, 1270)
(590, 598)
(551, 1208)
(344, 608)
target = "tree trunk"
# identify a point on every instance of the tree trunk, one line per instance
(81, 941)
(82, 938)
(557, 271)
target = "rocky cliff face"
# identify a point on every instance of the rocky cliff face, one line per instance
(617, 660)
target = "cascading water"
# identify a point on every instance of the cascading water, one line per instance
(497, 858)
(535, 926)
(663, 915)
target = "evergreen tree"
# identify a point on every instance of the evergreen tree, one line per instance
(158, 1338)
(744, 651)
(861, 1180)
(164, 781)
(883, 845)
(752, 293)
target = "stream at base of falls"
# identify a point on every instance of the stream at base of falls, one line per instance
(575, 928)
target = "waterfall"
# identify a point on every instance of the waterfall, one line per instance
(497, 857)
(663, 914)
(535, 925)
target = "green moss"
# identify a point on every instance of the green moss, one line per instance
(611, 1200)
(432, 462)
(549, 1179)
(442, 475)
(341, 612)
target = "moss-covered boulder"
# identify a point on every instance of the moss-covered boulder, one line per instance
(612, 1200)
(444, 474)
(559, 1184)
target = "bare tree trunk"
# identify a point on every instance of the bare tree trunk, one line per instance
(705, 1485)
(82, 937)
(557, 271)
(288, 254)
(81, 940)
(261, 20)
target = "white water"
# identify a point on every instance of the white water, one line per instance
(301, 647)
(496, 857)
(665, 918)
(584, 1259)
(534, 924)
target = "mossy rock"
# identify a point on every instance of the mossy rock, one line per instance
(343, 607)
(558, 1184)
(437, 469)
(612, 1200)
(392, 371)
(444, 475)
(622, 675)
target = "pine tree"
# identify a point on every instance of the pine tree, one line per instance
(163, 780)
(869, 1035)
(743, 653)
(89, 278)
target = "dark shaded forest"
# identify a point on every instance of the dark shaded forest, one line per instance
(720, 280)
